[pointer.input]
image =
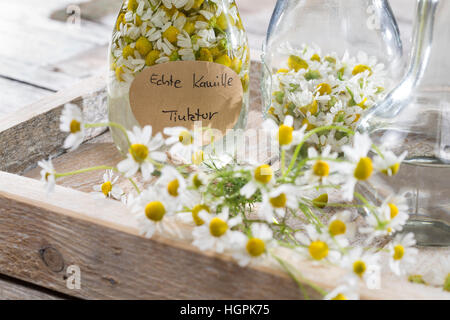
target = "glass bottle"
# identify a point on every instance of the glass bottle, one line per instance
(415, 117)
(314, 47)
(156, 34)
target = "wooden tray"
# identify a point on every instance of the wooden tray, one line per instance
(41, 236)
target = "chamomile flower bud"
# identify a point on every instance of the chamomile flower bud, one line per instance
(72, 122)
(402, 253)
(48, 174)
(108, 188)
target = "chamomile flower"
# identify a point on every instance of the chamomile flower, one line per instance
(48, 174)
(317, 246)
(142, 153)
(389, 218)
(182, 141)
(277, 201)
(402, 253)
(388, 163)
(72, 122)
(362, 265)
(198, 181)
(322, 168)
(194, 212)
(172, 183)
(345, 291)
(360, 166)
(151, 209)
(254, 248)
(340, 226)
(262, 178)
(109, 188)
(215, 233)
(284, 135)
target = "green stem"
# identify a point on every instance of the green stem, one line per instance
(109, 124)
(285, 265)
(283, 161)
(134, 185)
(66, 174)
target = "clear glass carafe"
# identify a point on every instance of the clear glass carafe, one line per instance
(315, 47)
(415, 117)
(152, 33)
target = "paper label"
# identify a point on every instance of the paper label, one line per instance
(180, 93)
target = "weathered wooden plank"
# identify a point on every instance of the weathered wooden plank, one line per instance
(11, 289)
(115, 263)
(41, 119)
(22, 133)
(100, 237)
(15, 94)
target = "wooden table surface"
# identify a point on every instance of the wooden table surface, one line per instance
(43, 53)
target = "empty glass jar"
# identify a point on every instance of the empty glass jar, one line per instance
(327, 61)
(415, 118)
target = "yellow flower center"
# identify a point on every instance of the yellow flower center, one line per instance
(363, 169)
(196, 210)
(318, 250)
(321, 201)
(282, 70)
(255, 247)
(119, 72)
(315, 57)
(279, 202)
(309, 126)
(394, 210)
(186, 138)
(323, 88)
(297, 63)
(361, 68)
(143, 46)
(172, 188)
(132, 5)
(75, 126)
(339, 296)
(218, 227)
(106, 188)
(139, 152)
(196, 181)
(224, 59)
(285, 135)
(321, 169)
(394, 169)
(312, 107)
(151, 58)
(359, 267)
(171, 34)
(155, 211)
(198, 157)
(263, 174)
(337, 227)
(127, 52)
(399, 252)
